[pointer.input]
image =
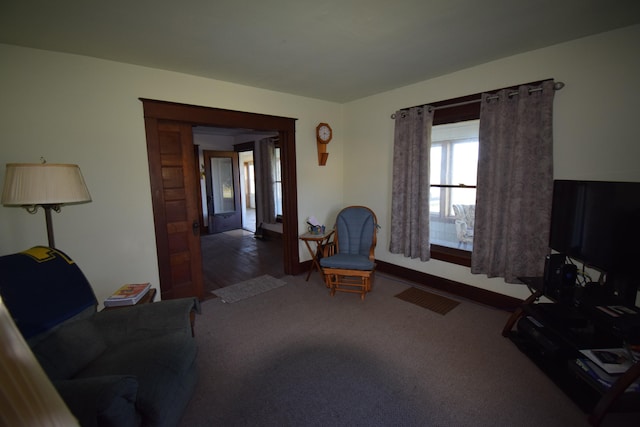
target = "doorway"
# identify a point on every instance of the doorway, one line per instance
(247, 190)
(223, 200)
(254, 177)
(175, 256)
(233, 250)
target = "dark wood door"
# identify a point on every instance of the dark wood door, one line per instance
(223, 190)
(176, 208)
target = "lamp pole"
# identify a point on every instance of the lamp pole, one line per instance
(47, 216)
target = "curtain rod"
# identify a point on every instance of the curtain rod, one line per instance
(556, 86)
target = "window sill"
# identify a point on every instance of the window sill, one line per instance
(452, 255)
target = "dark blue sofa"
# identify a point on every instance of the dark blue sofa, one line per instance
(132, 366)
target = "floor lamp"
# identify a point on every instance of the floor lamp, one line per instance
(33, 185)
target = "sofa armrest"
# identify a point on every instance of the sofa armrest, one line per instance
(101, 401)
(147, 320)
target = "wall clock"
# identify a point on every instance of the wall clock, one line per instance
(324, 133)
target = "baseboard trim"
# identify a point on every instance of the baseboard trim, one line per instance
(482, 296)
(271, 234)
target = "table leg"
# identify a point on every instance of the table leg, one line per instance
(314, 260)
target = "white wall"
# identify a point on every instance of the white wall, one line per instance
(74, 109)
(595, 127)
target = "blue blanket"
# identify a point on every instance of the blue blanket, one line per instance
(43, 287)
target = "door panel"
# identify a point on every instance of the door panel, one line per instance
(176, 205)
(223, 190)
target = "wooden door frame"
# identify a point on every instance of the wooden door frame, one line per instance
(208, 116)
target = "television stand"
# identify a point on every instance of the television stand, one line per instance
(551, 335)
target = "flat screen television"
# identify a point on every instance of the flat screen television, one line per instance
(598, 224)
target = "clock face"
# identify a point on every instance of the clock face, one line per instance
(324, 133)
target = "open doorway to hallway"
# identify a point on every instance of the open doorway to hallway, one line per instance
(174, 172)
(235, 256)
(237, 250)
(243, 142)
(248, 190)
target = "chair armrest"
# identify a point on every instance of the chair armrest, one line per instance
(145, 321)
(101, 401)
(328, 249)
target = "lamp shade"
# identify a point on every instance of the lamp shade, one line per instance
(27, 184)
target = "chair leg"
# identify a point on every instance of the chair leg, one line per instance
(327, 280)
(348, 281)
(330, 282)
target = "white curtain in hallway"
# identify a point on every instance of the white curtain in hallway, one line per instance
(264, 155)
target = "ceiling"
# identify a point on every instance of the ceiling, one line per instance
(335, 50)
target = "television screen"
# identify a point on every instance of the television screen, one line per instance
(598, 223)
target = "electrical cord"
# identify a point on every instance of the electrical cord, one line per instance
(582, 277)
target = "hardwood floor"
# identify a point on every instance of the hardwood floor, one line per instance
(235, 256)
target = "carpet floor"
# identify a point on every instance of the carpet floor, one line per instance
(295, 356)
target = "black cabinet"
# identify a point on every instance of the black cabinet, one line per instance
(553, 334)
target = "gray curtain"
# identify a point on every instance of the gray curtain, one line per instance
(410, 189)
(515, 183)
(264, 156)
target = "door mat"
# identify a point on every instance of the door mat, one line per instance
(433, 302)
(248, 288)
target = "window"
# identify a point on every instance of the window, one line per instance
(454, 161)
(449, 140)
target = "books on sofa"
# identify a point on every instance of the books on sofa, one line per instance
(128, 294)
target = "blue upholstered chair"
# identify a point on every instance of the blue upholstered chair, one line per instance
(348, 267)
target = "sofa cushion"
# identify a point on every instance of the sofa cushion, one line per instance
(68, 349)
(164, 367)
(107, 401)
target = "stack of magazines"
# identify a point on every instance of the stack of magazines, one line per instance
(605, 366)
(127, 295)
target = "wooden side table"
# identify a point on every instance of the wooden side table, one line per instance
(321, 240)
(147, 298)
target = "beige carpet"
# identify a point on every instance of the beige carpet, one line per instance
(295, 356)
